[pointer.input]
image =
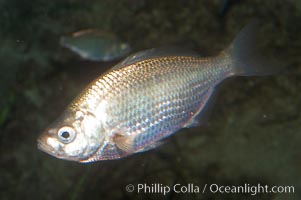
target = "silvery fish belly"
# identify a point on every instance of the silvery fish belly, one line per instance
(145, 98)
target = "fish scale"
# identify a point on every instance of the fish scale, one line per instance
(137, 97)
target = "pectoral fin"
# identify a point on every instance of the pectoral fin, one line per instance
(124, 142)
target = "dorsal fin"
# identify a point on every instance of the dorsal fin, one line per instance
(155, 53)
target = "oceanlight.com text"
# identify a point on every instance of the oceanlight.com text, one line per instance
(190, 188)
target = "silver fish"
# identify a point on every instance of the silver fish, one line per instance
(96, 45)
(145, 98)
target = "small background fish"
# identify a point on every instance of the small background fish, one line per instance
(247, 140)
(96, 45)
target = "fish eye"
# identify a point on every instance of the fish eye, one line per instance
(66, 134)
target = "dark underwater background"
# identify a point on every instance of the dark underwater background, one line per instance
(253, 134)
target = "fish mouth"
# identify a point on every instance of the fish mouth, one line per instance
(42, 145)
(45, 147)
(48, 149)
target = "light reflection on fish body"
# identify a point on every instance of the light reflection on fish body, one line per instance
(143, 99)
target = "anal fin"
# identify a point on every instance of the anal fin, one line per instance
(201, 115)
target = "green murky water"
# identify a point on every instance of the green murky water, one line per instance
(254, 132)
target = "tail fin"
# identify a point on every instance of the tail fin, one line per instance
(247, 60)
